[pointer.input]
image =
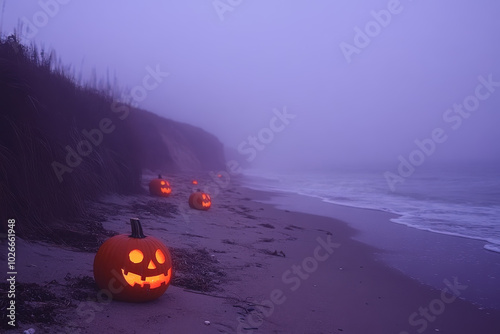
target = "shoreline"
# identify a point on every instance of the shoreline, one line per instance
(254, 182)
(421, 249)
(393, 215)
(284, 272)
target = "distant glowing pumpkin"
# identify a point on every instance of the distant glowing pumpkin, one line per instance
(200, 200)
(133, 268)
(160, 187)
(195, 182)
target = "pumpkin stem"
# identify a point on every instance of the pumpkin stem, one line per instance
(136, 229)
(159, 176)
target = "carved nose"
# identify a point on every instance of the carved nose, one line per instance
(151, 265)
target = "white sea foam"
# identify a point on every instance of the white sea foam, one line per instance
(461, 204)
(493, 247)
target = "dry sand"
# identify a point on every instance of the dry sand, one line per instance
(246, 267)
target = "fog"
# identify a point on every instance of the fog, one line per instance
(351, 98)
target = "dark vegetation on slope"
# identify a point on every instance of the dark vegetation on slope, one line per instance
(43, 111)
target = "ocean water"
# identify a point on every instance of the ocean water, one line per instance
(460, 203)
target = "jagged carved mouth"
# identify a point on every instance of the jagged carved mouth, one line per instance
(153, 281)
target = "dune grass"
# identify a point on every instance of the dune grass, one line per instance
(44, 109)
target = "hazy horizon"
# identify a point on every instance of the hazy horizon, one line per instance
(351, 98)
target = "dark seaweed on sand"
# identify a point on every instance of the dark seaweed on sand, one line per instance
(156, 207)
(44, 305)
(196, 269)
(241, 210)
(34, 304)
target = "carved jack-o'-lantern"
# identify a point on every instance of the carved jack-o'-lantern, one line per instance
(133, 267)
(194, 182)
(160, 187)
(200, 200)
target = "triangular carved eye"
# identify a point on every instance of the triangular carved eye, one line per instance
(160, 257)
(136, 256)
(162, 183)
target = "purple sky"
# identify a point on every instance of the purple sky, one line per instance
(226, 76)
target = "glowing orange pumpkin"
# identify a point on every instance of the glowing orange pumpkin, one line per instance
(200, 200)
(195, 182)
(134, 267)
(160, 187)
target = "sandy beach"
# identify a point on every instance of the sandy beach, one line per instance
(245, 266)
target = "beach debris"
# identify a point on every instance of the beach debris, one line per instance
(327, 232)
(275, 253)
(196, 269)
(35, 304)
(156, 207)
(241, 210)
(293, 227)
(29, 331)
(207, 322)
(193, 235)
(266, 239)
